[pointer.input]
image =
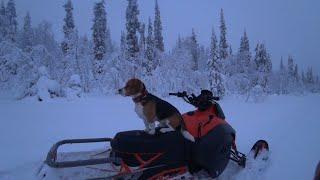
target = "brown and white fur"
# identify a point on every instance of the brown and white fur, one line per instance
(147, 110)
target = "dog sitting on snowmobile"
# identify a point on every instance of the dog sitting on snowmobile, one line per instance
(211, 150)
(139, 155)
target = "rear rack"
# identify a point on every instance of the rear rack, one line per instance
(52, 154)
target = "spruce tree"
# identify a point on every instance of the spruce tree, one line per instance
(282, 68)
(214, 53)
(215, 79)
(179, 43)
(99, 29)
(262, 59)
(27, 34)
(303, 78)
(3, 22)
(68, 29)
(230, 51)
(263, 66)
(309, 76)
(290, 66)
(223, 45)
(132, 26)
(11, 19)
(142, 40)
(123, 45)
(295, 73)
(149, 50)
(219, 89)
(158, 39)
(109, 46)
(194, 50)
(245, 49)
(99, 37)
(282, 78)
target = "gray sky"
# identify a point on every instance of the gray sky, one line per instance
(286, 26)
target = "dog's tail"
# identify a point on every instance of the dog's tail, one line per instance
(187, 135)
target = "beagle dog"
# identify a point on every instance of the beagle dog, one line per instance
(152, 109)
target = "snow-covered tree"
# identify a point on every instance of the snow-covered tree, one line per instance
(68, 29)
(142, 40)
(282, 68)
(194, 50)
(12, 23)
(223, 45)
(45, 36)
(214, 53)
(238, 69)
(290, 66)
(263, 67)
(3, 22)
(215, 78)
(230, 51)
(27, 34)
(99, 29)
(244, 54)
(158, 39)
(296, 73)
(109, 45)
(149, 65)
(309, 76)
(84, 63)
(282, 80)
(303, 78)
(132, 26)
(123, 45)
(262, 59)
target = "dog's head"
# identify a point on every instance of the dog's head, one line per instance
(133, 87)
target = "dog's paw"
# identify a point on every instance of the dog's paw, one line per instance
(150, 131)
(165, 130)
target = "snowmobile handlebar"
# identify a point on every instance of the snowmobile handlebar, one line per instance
(179, 94)
(185, 94)
(202, 101)
(51, 159)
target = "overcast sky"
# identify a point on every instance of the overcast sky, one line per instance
(286, 26)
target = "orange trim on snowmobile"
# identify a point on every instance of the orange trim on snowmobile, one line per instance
(162, 175)
(146, 163)
(124, 168)
(200, 123)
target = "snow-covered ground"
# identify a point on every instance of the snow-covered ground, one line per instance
(28, 129)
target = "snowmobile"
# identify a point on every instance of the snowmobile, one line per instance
(138, 155)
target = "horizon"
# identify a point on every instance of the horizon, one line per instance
(264, 23)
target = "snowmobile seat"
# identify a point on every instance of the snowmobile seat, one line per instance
(168, 150)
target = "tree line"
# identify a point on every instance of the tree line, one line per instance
(96, 64)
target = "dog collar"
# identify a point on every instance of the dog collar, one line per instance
(140, 97)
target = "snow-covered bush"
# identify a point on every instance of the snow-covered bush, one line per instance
(46, 87)
(74, 89)
(42, 57)
(256, 94)
(17, 70)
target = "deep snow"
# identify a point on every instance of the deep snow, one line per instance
(28, 129)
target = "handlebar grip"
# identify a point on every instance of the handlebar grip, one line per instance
(179, 94)
(216, 98)
(173, 94)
